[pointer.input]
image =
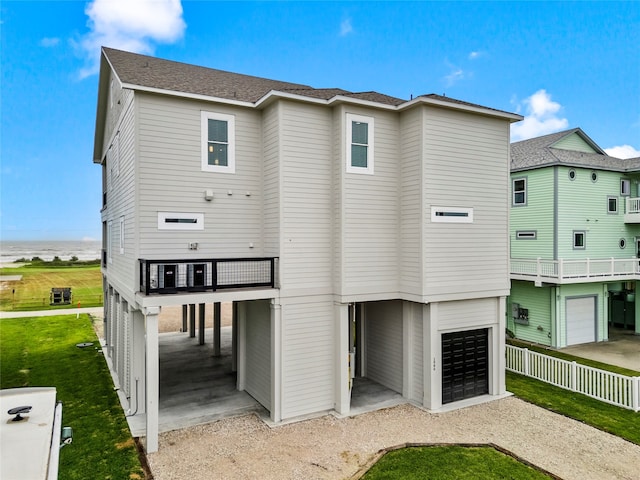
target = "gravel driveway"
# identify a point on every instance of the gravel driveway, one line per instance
(336, 448)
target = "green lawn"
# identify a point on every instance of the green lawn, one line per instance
(32, 292)
(450, 463)
(42, 352)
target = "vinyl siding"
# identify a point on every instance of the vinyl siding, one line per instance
(411, 226)
(538, 300)
(307, 357)
(271, 181)
(306, 190)
(537, 214)
(171, 180)
(466, 165)
(583, 207)
(417, 391)
(574, 142)
(467, 314)
(371, 209)
(384, 343)
(121, 202)
(258, 351)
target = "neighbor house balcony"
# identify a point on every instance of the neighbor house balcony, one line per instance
(632, 210)
(575, 271)
(207, 275)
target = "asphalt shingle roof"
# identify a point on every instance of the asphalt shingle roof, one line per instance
(539, 152)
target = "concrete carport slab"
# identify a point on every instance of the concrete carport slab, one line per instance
(622, 349)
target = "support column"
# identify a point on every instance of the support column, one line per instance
(499, 353)
(241, 378)
(192, 320)
(216, 329)
(138, 352)
(407, 348)
(432, 355)
(234, 337)
(152, 378)
(201, 310)
(343, 379)
(276, 361)
(185, 315)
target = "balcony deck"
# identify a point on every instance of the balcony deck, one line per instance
(632, 210)
(575, 271)
(169, 276)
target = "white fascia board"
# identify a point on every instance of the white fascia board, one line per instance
(194, 96)
(513, 117)
(365, 103)
(274, 94)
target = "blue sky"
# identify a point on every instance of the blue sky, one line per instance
(561, 65)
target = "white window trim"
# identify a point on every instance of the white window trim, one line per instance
(110, 241)
(609, 211)
(122, 235)
(526, 235)
(194, 221)
(625, 187)
(584, 239)
(204, 140)
(368, 170)
(451, 215)
(513, 192)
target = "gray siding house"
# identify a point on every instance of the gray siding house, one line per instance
(357, 234)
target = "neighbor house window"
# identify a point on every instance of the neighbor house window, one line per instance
(218, 142)
(519, 191)
(579, 240)
(110, 241)
(625, 187)
(360, 134)
(622, 243)
(572, 174)
(612, 204)
(526, 235)
(594, 177)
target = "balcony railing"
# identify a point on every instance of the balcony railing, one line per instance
(575, 271)
(632, 210)
(171, 276)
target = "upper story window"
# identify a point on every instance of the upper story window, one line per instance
(625, 186)
(579, 240)
(612, 204)
(360, 134)
(218, 142)
(519, 187)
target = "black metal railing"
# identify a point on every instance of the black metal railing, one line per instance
(211, 274)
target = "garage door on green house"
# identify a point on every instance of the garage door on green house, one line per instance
(581, 320)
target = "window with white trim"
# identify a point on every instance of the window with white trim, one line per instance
(218, 142)
(122, 235)
(110, 241)
(180, 221)
(579, 240)
(612, 204)
(526, 234)
(359, 135)
(519, 187)
(625, 187)
(451, 215)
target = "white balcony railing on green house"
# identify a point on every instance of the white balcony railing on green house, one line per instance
(632, 210)
(575, 271)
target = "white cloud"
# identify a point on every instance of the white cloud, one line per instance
(475, 54)
(542, 116)
(454, 76)
(622, 151)
(49, 42)
(346, 27)
(132, 25)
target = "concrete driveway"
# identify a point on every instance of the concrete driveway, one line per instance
(622, 349)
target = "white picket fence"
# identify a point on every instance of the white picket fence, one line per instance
(608, 387)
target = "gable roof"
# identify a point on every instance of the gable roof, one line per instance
(541, 152)
(156, 75)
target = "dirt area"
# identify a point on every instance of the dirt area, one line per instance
(334, 448)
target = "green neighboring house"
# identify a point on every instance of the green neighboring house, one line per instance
(575, 240)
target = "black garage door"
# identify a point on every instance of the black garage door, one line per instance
(465, 365)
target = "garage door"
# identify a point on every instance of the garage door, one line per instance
(465, 365)
(581, 320)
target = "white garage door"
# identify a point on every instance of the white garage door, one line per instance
(581, 320)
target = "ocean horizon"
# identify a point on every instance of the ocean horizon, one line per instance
(10, 251)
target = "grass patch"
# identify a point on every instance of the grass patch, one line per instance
(32, 292)
(609, 418)
(450, 463)
(42, 352)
